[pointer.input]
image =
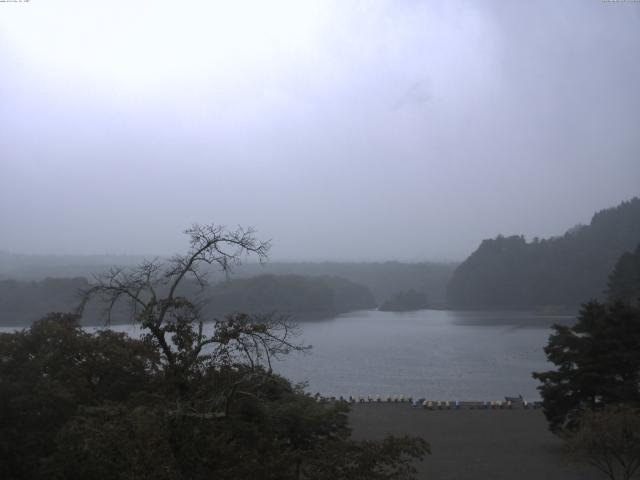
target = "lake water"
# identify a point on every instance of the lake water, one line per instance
(441, 355)
(444, 355)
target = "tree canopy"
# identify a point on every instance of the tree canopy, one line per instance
(597, 364)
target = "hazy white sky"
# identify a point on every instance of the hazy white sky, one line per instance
(342, 130)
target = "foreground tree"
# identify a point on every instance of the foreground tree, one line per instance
(592, 399)
(598, 364)
(48, 372)
(187, 401)
(172, 323)
(609, 440)
(153, 288)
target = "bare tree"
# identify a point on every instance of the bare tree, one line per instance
(174, 323)
(609, 440)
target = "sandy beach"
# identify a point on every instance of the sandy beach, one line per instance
(474, 444)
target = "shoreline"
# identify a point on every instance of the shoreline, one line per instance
(509, 403)
(490, 316)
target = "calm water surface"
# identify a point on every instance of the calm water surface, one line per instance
(445, 355)
(434, 354)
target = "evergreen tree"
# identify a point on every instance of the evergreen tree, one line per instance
(597, 364)
(624, 282)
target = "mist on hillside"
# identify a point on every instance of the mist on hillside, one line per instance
(342, 131)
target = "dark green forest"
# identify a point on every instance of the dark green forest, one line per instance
(558, 272)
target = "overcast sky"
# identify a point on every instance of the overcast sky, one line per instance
(341, 130)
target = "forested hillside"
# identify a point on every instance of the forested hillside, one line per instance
(304, 298)
(624, 281)
(301, 297)
(21, 303)
(509, 272)
(408, 301)
(384, 279)
(15, 266)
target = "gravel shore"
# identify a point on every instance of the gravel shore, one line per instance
(474, 444)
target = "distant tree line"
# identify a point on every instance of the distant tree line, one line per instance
(509, 272)
(296, 295)
(23, 302)
(383, 279)
(302, 297)
(405, 302)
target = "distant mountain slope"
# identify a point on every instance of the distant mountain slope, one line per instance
(624, 281)
(24, 302)
(301, 297)
(15, 266)
(384, 279)
(508, 272)
(408, 301)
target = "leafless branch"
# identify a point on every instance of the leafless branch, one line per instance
(151, 287)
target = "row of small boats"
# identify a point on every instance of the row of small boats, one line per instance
(507, 403)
